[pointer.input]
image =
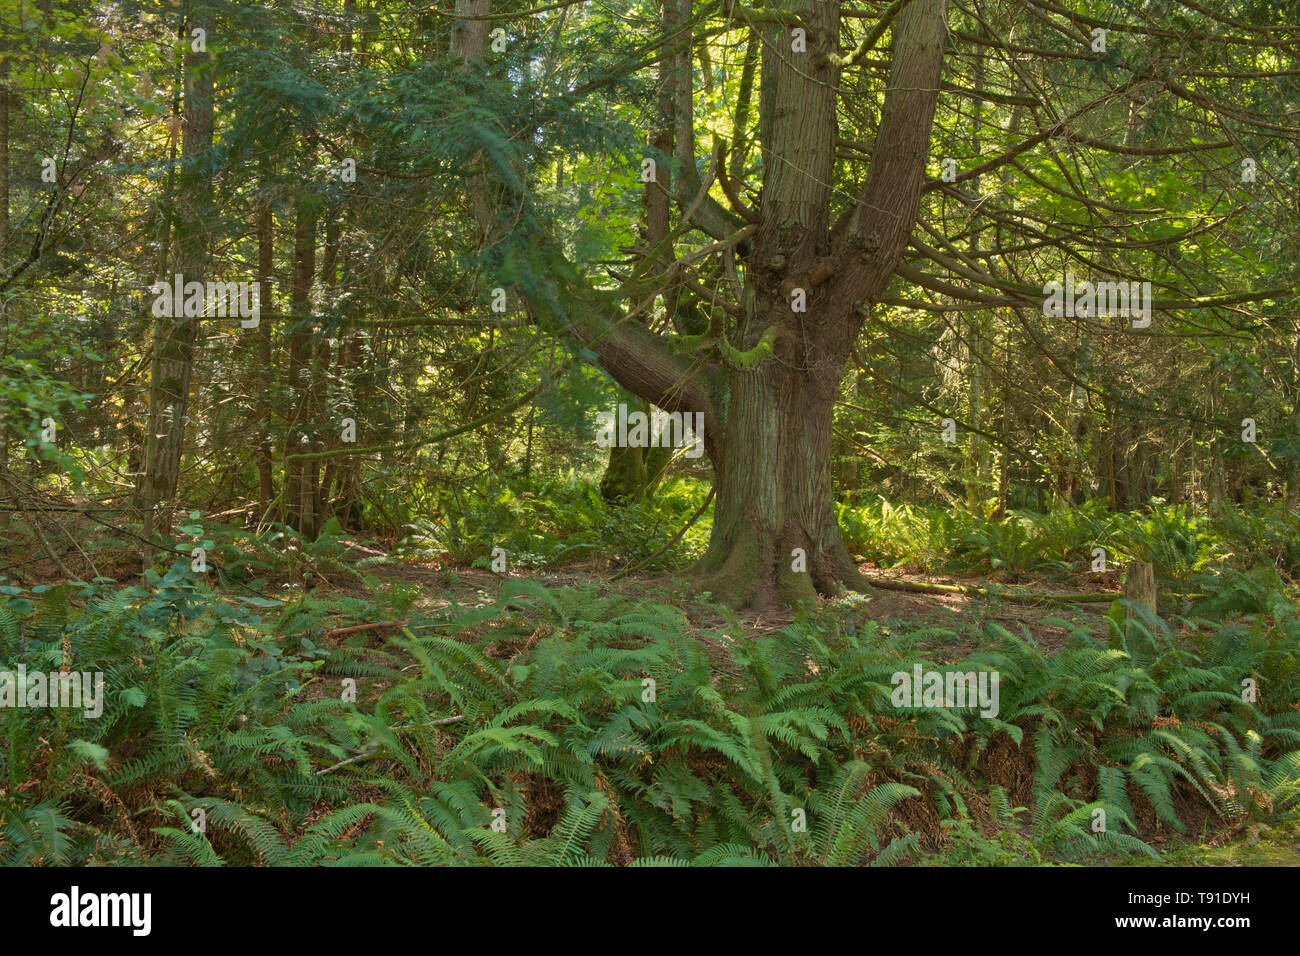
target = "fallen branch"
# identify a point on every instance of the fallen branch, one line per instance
(671, 541)
(358, 628)
(344, 763)
(440, 722)
(1026, 597)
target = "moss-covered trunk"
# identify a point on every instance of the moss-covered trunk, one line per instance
(775, 537)
(786, 294)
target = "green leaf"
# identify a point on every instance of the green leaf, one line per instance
(90, 752)
(134, 696)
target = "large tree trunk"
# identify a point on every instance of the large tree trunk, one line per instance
(766, 375)
(772, 478)
(775, 536)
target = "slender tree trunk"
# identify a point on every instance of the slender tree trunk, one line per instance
(469, 40)
(1176, 473)
(1293, 484)
(4, 237)
(175, 338)
(631, 473)
(299, 488)
(4, 158)
(327, 434)
(1004, 430)
(349, 360)
(977, 483)
(1215, 477)
(1218, 483)
(1293, 461)
(265, 274)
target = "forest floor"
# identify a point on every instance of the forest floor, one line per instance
(1044, 621)
(958, 620)
(954, 610)
(1032, 606)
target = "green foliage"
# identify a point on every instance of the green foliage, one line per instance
(198, 693)
(1177, 542)
(601, 730)
(31, 395)
(559, 522)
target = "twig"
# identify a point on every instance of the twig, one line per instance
(356, 629)
(344, 763)
(671, 541)
(34, 525)
(440, 722)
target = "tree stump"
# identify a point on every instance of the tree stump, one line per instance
(1140, 592)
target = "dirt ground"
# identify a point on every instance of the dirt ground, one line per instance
(965, 615)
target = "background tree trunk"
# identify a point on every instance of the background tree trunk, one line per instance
(175, 338)
(265, 273)
(299, 488)
(632, 473)
(4, 237)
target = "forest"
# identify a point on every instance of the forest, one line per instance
(605, 433)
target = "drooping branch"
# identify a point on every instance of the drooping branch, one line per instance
(559, 300)
(872, 38)
(492, 416)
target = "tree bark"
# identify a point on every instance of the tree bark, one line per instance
(175, 338)
(631, 473)
(1140, 592)
(772, 462)
(774, 494)
(300, 491)
(265, 273)
(4, 235)
(766, 383)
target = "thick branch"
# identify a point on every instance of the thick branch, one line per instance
(703, 211)
(872, 244)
